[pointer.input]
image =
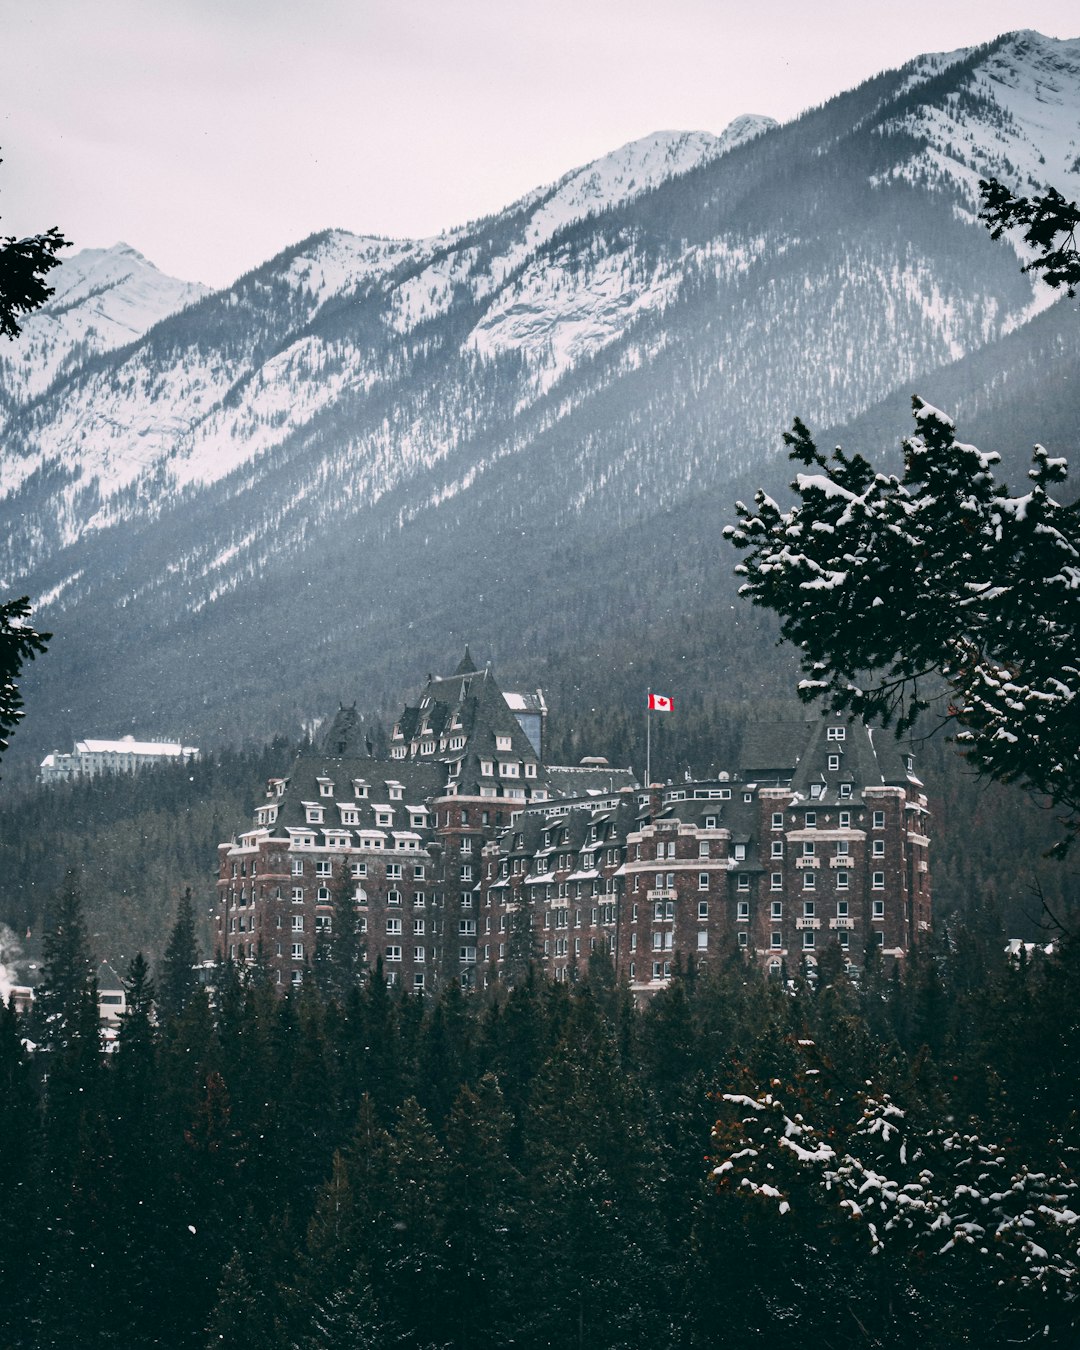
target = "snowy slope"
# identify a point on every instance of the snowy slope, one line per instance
(204, 414)
(103, 298)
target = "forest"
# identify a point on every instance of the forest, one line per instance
(888, 1163)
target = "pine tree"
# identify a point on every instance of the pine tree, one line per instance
(177, 979)
(59, 999)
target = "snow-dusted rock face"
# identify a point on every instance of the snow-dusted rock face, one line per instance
(103, 298)
(611, 344)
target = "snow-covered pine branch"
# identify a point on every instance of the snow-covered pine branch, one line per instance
(939, 571)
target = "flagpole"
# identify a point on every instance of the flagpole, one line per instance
(648, 739)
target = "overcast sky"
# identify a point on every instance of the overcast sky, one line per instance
(209, 134)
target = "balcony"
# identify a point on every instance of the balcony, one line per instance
(841, 860)
(807, 923)
(842, 923)
(807, 860)
(661, 895)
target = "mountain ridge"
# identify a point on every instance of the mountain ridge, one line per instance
(388, 418)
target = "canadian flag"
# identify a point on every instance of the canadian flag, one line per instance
(658, 703)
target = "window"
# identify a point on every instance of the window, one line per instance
(775, 940)
(776, 881)
(323, 868)
(467, 927)
(419, 955)
(879, 848)
(393, 925)
(841, 848)
(466, 871)
(880, 938)
(808, 909)
(298, 923)
(841, 881)
(776, 909)
(834, 762)
(743, 882)
(841, 909)
(744, 939)
(808, 848)
(878, 909)
(393, 953)
(703, 909)
(879, 820)
(703, 881)
(878, 882)
(393, 897)
(836, 733)
(314, 815)
(816, 790)
(418, 980)
(418, 873)
(808, 938)
(468, 954)
(809, 881)
(811, 819)
(298, 867)
(845, 820)
(418, 926)
(775, 968)
(298, 951)
(748, 796)
(744, 910)
(778, 820)
(703, 849)
(740, 852)
(845, 791)
(298, 895)
(358, 869)
(710, 822)
(777, 848)
(502, 742)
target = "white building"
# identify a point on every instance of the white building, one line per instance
(90, 758)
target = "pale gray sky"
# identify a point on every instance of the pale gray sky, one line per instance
(209, 134)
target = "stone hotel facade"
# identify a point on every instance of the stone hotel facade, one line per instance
(469, 856)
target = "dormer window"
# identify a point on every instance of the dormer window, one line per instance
(326, 788)
(360, 788)
(457, 743)
(395, 791)
(314, 815)
(816, 789)
(502, 742)
(530, 770)
(834, 763)
(836, 733)
(845, 790)
(427, 747)
(487, 767)
(384, 817)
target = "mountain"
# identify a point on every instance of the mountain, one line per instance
(103, 298)
(527, 430)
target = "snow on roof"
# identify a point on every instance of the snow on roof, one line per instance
(128, 745)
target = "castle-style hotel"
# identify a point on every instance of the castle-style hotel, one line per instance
(468, 856)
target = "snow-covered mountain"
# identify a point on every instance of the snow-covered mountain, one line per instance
(363, 429)
(103, 298)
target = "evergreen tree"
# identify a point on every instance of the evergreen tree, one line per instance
(177, 978)
(60, 998)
